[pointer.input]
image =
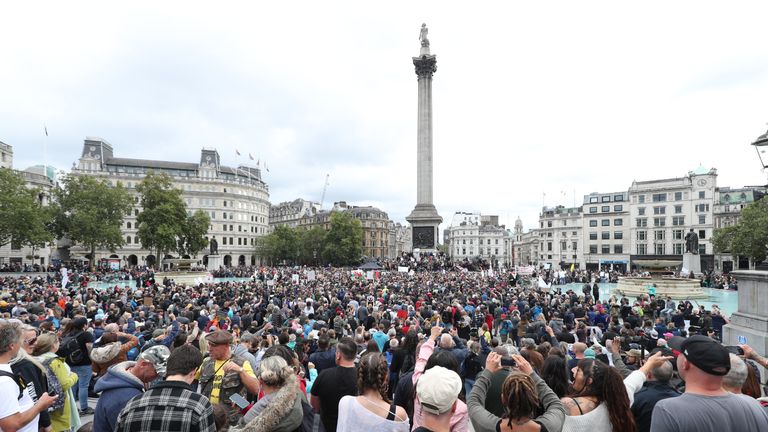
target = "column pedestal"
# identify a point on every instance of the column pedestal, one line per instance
(214, 262)
(749, 325)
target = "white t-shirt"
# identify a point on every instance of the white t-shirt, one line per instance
(10, 403)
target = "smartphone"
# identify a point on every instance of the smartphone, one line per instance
(508, 361)
(735, 350)
(239, 401)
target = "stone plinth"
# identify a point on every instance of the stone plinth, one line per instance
(186, 277)
(692, 263)
(214, 262)
(750, 323)
(677, 288)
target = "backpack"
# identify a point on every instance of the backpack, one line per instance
(15, 379)
(54, 386)
(311, 421)
(70, 349)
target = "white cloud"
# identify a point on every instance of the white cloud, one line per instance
(559, 98)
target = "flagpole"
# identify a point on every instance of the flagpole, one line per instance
(45, 151)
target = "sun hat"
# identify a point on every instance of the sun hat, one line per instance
(437, 390)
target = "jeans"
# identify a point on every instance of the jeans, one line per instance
(468, 384)
(84, 374)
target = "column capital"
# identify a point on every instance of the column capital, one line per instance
(426, 65)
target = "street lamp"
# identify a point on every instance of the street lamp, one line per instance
(761, 145)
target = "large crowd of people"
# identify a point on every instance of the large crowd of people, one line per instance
(422, 345)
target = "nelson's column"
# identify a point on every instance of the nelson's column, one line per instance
(424, 219)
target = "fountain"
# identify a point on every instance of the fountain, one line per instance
(660, 281)
(182, 272)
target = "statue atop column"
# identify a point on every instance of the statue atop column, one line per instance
(423, 35)
(692, 242)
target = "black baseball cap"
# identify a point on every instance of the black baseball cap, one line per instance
(704, 352)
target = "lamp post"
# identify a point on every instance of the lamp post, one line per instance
(761, 145)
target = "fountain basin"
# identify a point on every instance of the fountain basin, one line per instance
(677, 288)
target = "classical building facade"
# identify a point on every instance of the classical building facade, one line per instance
(663, 211)
(606, 230)
(400, 240)
(289, 213)
(375, 222)
(472, 235)
(6, 155)
(560, 237)
(235, 198)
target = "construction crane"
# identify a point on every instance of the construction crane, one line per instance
(325, 188)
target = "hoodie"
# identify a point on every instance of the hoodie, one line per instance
(117, 387)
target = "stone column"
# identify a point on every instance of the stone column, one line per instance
(749, 325)
(424, 218)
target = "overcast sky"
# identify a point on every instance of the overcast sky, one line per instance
(530, 98)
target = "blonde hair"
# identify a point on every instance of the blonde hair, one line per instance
(44, 344)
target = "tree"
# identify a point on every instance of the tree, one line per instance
(344, 241)
(192, 239)
(89, 211)
(163, 217)
(749, 237)
(281, 245)
(23, 219)
(311, 244)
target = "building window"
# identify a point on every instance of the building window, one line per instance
(605, 249)
(659, 248)
(678, 209)
(606, 209)
(677, 234)
(678, 196)
(549, 246)
(702, 219)
(593, 249)
(678, 220)
(642, 235)
(128, 240)
(593, 236)
(617, 249)
(618, 235)
(223, 240)
(605, 222)
(702, 234)
(660, 197)
(641, 199)
(618, 197)
(701, 194)
(618, 222)
(641, 211)
(702, 249)
(660, 210)
(606, 198)
(575, 246)
(658, 235)
(702, 207)
(549, 224)
(618, 208)
(224, 227)
(605, 235)
(641, 222)
(677, 248)
(659, 221)
(593, 200)
(593, 223)
(642, 249)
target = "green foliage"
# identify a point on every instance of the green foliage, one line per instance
(89, 211)
(22, 218)
(280, 246)
(163, 217)
(192, 239)
(344, 241)
(748, 238)
(311, 243)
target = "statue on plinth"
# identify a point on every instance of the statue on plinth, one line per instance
(692, 242)
(214, 247)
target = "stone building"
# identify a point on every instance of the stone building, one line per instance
(729, 202)
(472, 235)
(6, 155)
(289, 213)
(235, 198)
(400, 239)
(663, 211)
(606, 231)
(375, 223)
(560, 237)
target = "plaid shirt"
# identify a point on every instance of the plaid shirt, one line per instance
(167, 406)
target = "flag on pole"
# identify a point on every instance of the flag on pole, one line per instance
(258, 162)
(572, 266)
(238, 153)
(250, 156)
(265, 166)
(46, 130)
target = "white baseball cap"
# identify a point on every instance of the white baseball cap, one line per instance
(438, 390)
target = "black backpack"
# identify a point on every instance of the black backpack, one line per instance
(15, 379)
(70, 349)
(54, 386)
(311, 421)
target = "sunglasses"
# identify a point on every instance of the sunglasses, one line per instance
(30, 341)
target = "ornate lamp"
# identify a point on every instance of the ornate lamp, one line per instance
(761, 145)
